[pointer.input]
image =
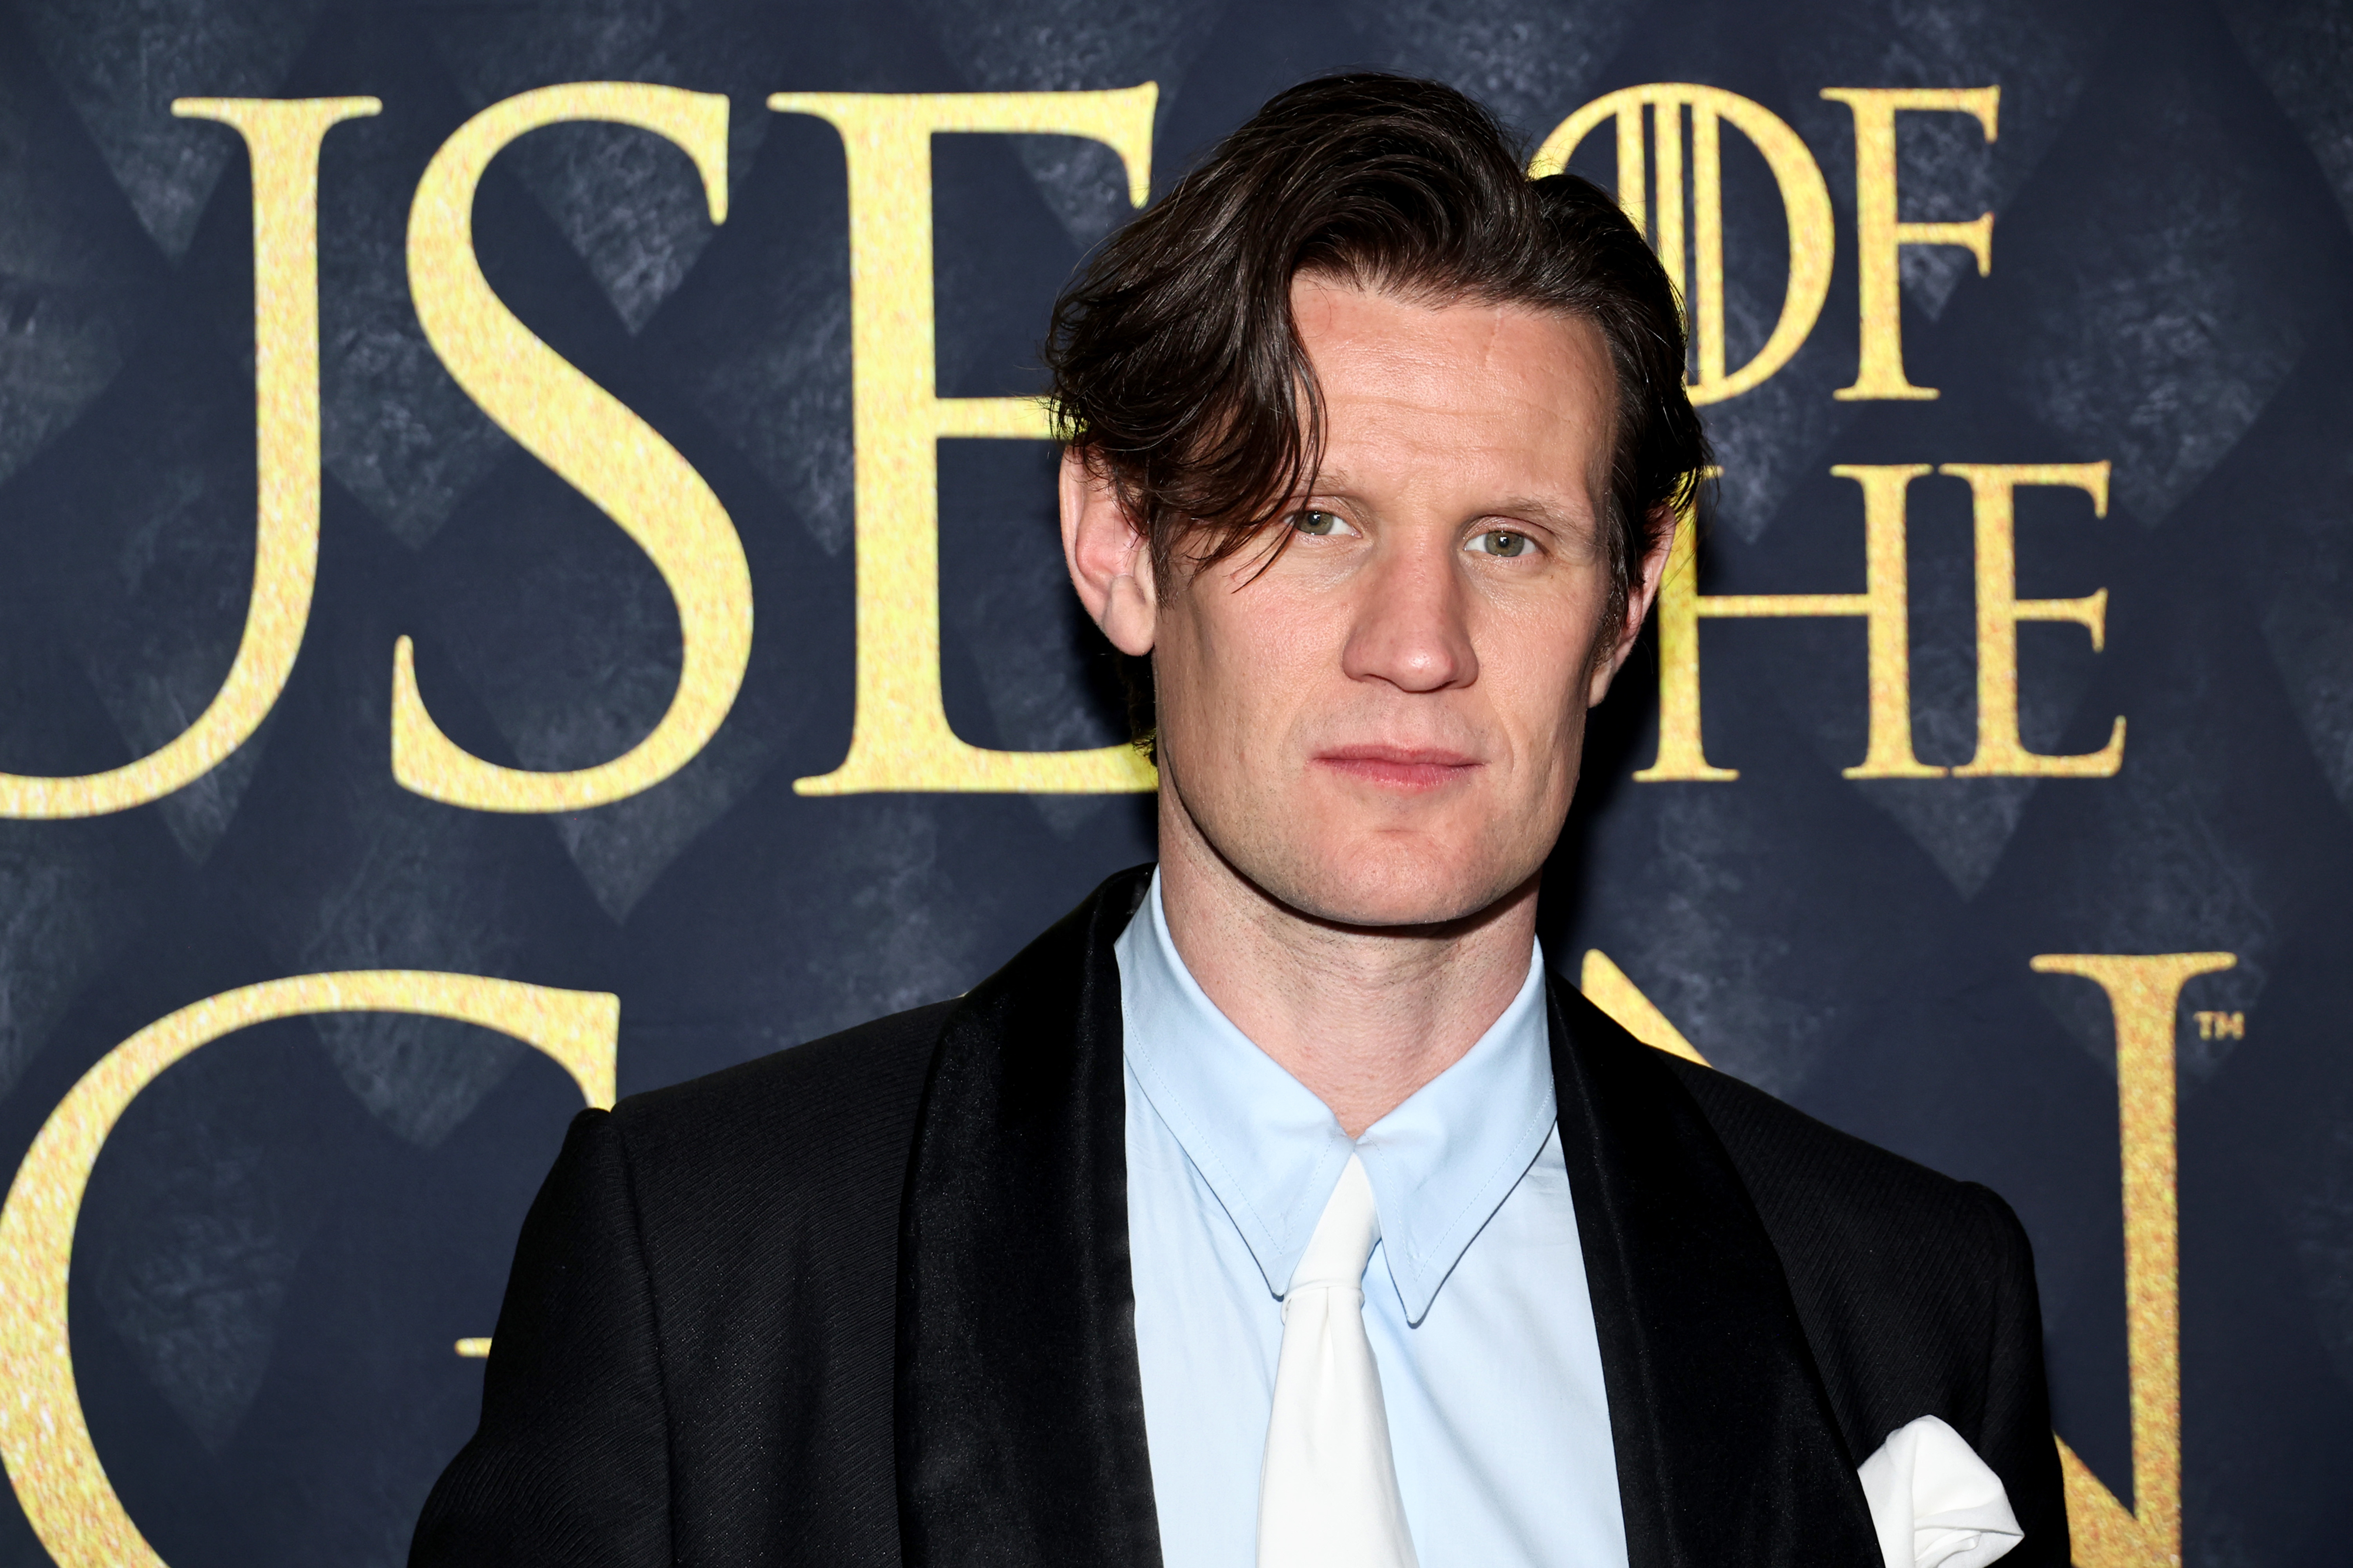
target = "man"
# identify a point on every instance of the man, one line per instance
(1277, 1206)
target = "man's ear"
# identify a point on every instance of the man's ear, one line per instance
(1617, 642)
(1108, 558)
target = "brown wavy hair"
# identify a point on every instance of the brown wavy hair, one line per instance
(1178, 371)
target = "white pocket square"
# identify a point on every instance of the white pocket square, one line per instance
(1935, 1502)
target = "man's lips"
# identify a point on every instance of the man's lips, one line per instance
(1412, 769)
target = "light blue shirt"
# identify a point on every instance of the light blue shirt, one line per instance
(1475, 1298)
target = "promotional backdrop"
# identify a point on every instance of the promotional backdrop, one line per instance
(527, 567)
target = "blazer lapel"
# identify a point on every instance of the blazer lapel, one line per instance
(1020, 1410)
(1727, 1448)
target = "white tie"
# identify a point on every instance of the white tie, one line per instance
(1327, 1495)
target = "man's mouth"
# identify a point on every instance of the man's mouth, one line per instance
(1412, 770)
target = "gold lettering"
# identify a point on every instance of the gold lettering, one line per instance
(281, 138)
(2144, 992)
(900, 738)
(1683, 752)
(1878, 233)
(44, 1439)
(1884, 604)
(593, 443)
(2000, 752)
(1607, 987)
(2222, 1026)
(1805, 201)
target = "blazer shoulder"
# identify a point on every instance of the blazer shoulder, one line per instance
(836, 1113)
(697, 1340)
(1790, 1160)
(1795, 1169)
(1916, 1289)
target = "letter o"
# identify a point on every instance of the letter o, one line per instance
(1805, 202)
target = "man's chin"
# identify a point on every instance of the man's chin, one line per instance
(1377, 891)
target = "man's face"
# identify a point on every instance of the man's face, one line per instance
(1381, 727)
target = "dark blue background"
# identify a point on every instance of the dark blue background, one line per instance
(288, 1231)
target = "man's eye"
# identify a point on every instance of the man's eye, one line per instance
(1501, 541)
(1319, 524)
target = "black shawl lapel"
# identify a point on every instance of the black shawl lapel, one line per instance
(1728, 1452)
(1019, 1408)
(1019, 1411)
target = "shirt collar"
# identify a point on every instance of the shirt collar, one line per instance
(1441, 1164)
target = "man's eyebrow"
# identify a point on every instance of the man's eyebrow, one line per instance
(1330, 487)
(1551, 515)
(1581, 525)
(1537, 510)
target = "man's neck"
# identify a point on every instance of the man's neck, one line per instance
(1363, 1017)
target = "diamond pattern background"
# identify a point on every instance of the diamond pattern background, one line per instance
(289, 1230)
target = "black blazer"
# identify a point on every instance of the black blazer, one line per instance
(866, 1301)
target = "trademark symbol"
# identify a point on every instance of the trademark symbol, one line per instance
(2222, 1026)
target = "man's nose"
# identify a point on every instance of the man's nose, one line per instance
(1411, 627)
